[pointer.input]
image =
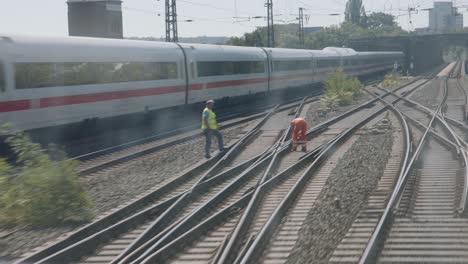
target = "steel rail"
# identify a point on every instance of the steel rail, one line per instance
(165, 236)
(460, 145)
(97, 226)
(56, 250)
(372, 249)
(465, 98)
(158, 147)
(82, 247)
(164, 220)
(275, 219)
(364, 105)
(440, 118)
(261, 112)
(241, 227)
(111, 161)
(191, 234)
(277, 149)
(427, 110)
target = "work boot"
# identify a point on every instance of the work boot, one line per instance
(207, 156)
(304, 149)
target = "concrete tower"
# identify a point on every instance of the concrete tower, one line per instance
(95, 18)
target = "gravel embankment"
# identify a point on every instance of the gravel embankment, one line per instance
(315, 115)
(113, 187)
(352, 180)
(428, 95)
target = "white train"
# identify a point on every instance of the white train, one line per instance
(55, 81)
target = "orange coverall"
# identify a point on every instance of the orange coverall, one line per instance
(300, 128)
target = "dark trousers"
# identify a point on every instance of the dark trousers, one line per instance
(208, 134)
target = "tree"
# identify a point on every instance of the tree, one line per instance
(286, 37)
(374, 25)
(363, 20)
(353, 11)
(380, 20)
(37, 190)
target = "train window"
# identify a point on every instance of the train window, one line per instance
(37, 75)
(2, 78)
(327, 63)
(217, 68)
(292, 65)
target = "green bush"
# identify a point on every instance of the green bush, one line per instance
(392, 79)
(38, 191)
(340, 89)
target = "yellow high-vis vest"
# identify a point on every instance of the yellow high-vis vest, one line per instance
(211, 119)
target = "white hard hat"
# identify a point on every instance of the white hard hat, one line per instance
(210, 102)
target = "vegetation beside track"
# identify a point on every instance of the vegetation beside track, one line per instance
(392, 79)
(38, 190)
(340, 89)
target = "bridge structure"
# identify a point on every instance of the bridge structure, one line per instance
(421, 51)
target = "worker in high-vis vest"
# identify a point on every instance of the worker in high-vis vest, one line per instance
(210, 127)
(299, 126)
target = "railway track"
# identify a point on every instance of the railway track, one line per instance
(103, 159)
(205, 247)
(201, 194)
(418, 221)
(170, 193)
(167, 193)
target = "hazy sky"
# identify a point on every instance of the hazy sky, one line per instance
(211, 17)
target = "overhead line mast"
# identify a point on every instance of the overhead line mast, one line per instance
(270, 28)
(171, 21)
(301, 27)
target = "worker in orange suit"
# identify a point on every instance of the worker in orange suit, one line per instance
(299, 126)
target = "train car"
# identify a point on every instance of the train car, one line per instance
(291, 68)
(224, 71)
(55, 81)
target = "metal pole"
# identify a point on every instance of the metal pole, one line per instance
(175, 33)
(168, 24)
(301, 27)
(171, 21)
(270, 27)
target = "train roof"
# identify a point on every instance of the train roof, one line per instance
(79, 49)
(340, 51)
(88, 49)
(225, 52)
(281, 53)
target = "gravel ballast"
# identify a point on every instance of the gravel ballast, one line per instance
(113, 187)
(110, 188)
(351, 182)
(428, 95)
(315, 115)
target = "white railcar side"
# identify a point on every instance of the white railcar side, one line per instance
(61, 100)
(218, 71)
(54, 81)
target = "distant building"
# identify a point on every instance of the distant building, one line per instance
(444, 17)
(95, 18)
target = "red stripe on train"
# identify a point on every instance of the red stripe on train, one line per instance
(18, 105)
(106, 96)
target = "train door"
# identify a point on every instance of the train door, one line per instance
(269, 69)
(4, 94)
